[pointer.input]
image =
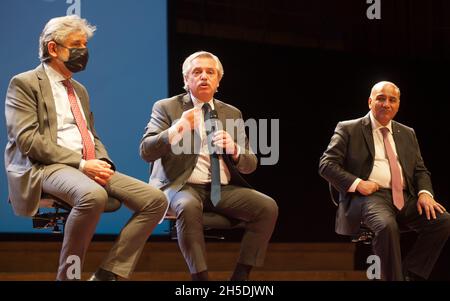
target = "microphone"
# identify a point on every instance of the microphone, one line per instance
(211, 123)
(211, 120)
(214, 118)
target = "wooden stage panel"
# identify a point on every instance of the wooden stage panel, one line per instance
(35, 260)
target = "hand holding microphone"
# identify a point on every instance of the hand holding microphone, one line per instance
(220, 138)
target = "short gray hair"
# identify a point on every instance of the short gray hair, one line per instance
(187, 65)
(57, 29)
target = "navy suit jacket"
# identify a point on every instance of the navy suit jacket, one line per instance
(350, 155)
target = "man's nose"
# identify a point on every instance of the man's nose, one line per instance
(204, 75)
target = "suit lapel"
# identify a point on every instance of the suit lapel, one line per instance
(187, 103)
(218, 106)
(47, 96)
(368, 135)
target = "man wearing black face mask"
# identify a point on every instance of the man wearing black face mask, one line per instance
(53, 148)
(78, 58)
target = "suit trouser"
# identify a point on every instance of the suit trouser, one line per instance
(380, 215)
(88, 200)
(259, 211)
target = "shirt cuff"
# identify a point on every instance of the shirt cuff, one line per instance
(354, 185)
(82, 163)
(425, 191)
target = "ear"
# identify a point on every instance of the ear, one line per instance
(51, 47)
(370, 103)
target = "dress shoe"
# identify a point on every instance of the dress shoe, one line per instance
(202, 276)
(103, 275)
(241, 272)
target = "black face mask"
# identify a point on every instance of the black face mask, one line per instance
(78, 59)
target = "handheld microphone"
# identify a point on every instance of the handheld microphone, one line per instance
(211, 122)
(214, 118)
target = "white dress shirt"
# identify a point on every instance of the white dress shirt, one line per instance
(67, 132)
(381, 173)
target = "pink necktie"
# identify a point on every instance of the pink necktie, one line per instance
(396, 178)
(88, 144)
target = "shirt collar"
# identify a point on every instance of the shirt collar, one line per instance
(52, 74)
(198, 104)
(376, 125)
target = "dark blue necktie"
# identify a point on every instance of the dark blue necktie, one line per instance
(211, 127)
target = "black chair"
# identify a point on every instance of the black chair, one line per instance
(211, 221)
(53, 212)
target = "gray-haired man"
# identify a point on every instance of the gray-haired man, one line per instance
(190, 179)
(53, 148)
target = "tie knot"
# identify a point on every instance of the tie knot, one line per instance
(384, 131)
(67, 83)
(206, 108)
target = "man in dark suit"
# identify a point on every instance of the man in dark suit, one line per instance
(376, 165)
(53, 148)
(183, 160)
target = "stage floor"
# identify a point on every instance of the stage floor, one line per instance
(37, 261)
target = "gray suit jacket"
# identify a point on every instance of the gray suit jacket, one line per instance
(169, 171)
(32, 144)
(350, 155)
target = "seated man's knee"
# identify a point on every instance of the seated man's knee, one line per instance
(189, 216)
(269, 208)
(445, 217)
(94, 199)
(188, 209)
(385, 225)
(272, 208)
(161, 201)
(157, 201)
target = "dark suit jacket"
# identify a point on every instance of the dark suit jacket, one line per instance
(32, 137)
(169, 171)
(350, 155)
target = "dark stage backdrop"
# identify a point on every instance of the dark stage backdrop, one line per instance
(309, 91)
(309, 88)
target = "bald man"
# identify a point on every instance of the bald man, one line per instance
(375, 164)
